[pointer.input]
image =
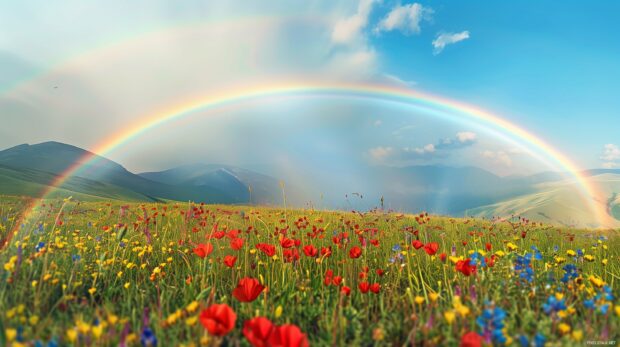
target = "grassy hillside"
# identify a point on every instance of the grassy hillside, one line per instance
(195, 275)
(557, 203)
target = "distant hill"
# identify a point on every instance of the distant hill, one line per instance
(557, 203)
(235, 181)
(39, 164)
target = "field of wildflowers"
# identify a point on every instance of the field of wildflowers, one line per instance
(110, 273)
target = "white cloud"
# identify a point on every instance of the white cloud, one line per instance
(466, 136)
(349, 29)
(429, 148)
(611, 152)
(445, 39)
(610, 165)
(500, 157)
(380, 153)
(406, 18)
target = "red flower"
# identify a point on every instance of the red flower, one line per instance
(310, 251)
(269, 250)
(326, 251)
(465, 267)
(374, 242)
(417, 244)
(431, 248)
(203, 250)
(487, 246)
(287, 243)
(258, 330)
(355, 252)
(379, 272)
(230, 260)
(288, 335)
(443, 257)
(471, 339)
(345, 290)
(236, 243)
(248, 289)
(375, 288)
(218, 319)
(328, 277)
(364, 287)
(218, 234)
(337, 280)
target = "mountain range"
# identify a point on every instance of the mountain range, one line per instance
(549, 197)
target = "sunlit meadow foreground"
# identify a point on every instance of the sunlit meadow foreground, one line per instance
(91, 274)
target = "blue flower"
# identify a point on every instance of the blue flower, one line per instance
(39, 246)
(396, 248)
(539, 340)
(570, 273)
(491, 322)
(524, 341)
(147, 338)
(76, 258)
(553, 305)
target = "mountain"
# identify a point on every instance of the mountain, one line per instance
(442, 189)
(38, 165)
(240, 183)
(557, 203)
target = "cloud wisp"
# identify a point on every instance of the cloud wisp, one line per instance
(404, 18)
(445, 39)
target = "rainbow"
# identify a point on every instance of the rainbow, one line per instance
(360, 90)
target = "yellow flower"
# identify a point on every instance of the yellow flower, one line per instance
(112, 319)
(97, 331)
(192, 307)
(596, 281)
(604, 262)
(449, 316)
(588, 257)
(617, 309)
(433, 297)
(511, 246)
(10, 334)
(92, 290)
(190, 321)
(419, 300)
(33, 320)
(571, 253)
(500, 253)
(127, 285)
(278, 312)
(577, 335)
(564, 328)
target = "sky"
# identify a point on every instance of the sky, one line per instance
(80, 71)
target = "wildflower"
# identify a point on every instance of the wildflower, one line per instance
(148, 338)
(523, 267)
(417, 244)
(465, 267)
(431, 248)
(449, 316)
(230, 260)
(218, 319)
(345, 290)
(355, 252)
(553, 304)
(364, 287)
(203, 250)
(419, 300)
(375, 288)
(288, 335)
(257, 331)
(236, 243)
(471, 339)
(491, 321)
(269, 250)
(310, 251)
(511, 246)
(597, 282)
(248, 289)
(564, 328)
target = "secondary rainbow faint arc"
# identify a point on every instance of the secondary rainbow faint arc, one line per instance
(358, 89)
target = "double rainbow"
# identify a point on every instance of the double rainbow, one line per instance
(213, 102)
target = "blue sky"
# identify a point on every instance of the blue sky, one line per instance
(550, 67)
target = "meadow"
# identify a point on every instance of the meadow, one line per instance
(187, 274)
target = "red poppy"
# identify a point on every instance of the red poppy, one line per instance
(326, 251)
(471, 339)
(431, 248)
(345, 290)
(310, 251)
(328, 277)
(364, 287)
(375, 288)
(219, 234)
(379, 272)
(465, 267)
(236, 243)
(288, 335)
(337, 280)
(203, 250)
(218, 319)
(374, 242)
(443, 257)
(355, 252)
(230, 260)
(417, 244)
(287, 243)
(269, 250)
(487, 246)
(258, 330)
(248, 289)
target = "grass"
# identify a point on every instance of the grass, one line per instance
(122, 284)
